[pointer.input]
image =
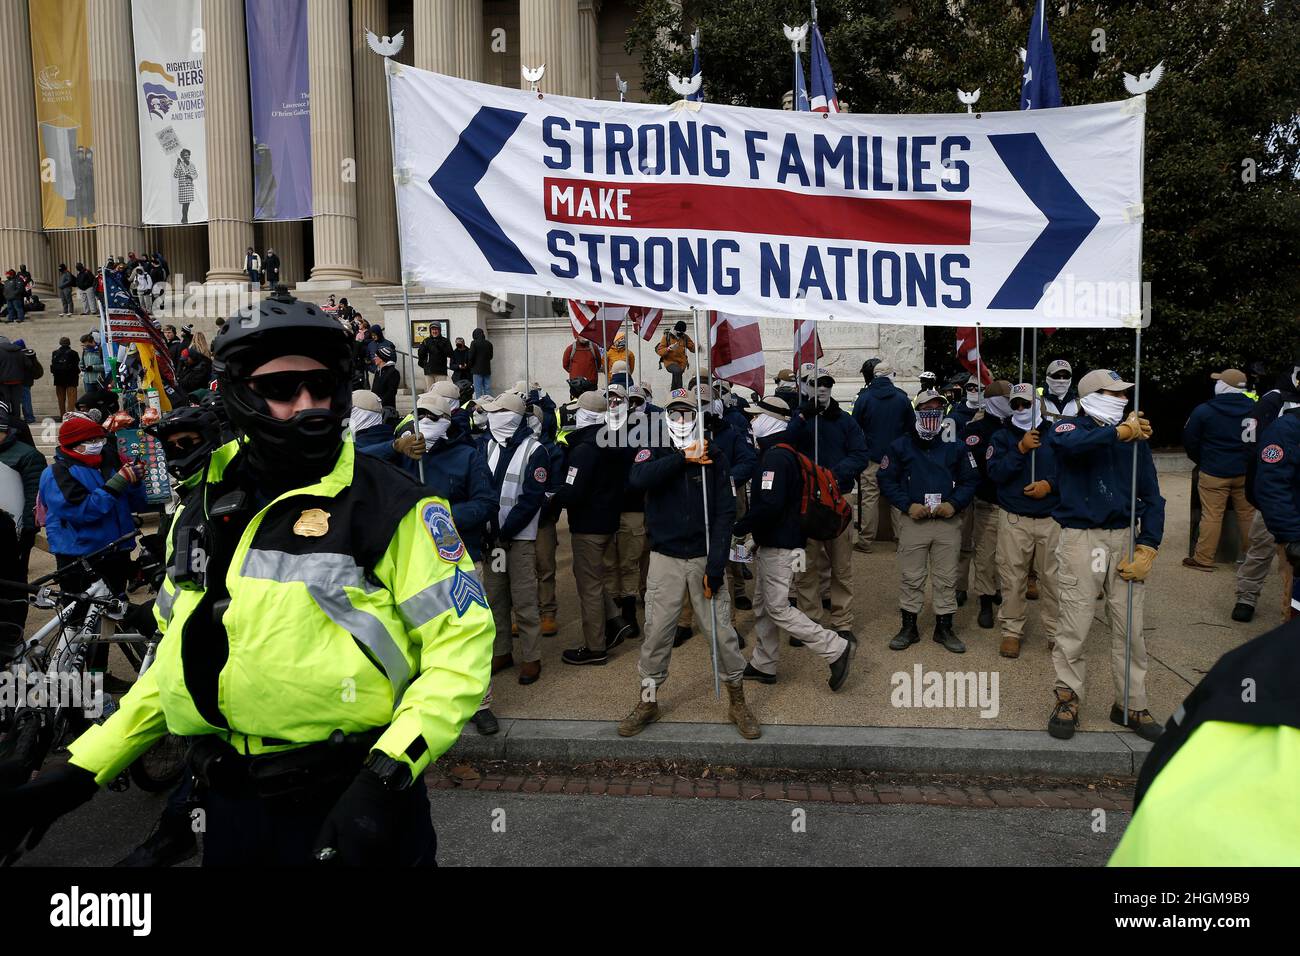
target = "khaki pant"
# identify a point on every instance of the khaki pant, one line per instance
(67, 395)
(933, 545)
(1288, 581)
(431, 379)
(1086, 562)
(869, 514)
(547, 542)
(1254, 567)
(833, 558)
(733, 567)
(515, 587)
(594, 601)
(773, 614)
(623, 559)
(1019, 539)
(1215, 493)
(979, 547)
(668, 582)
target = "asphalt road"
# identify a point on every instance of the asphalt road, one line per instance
(492, 829)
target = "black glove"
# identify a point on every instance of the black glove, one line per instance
(361, 828)
(1293, 556)
(29, 810)
(714, 583)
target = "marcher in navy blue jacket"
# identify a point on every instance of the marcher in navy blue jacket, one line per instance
(931, 480)
(1023, 468)
(1215, 438)
(1094, 467)
(1277, 482)
(883, 413)
(979, 532)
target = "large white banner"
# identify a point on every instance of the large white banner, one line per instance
(1010, 219)
(169, 89)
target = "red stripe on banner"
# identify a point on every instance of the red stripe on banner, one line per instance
(777, 212)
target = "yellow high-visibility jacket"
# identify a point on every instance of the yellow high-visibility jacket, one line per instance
(353, 605)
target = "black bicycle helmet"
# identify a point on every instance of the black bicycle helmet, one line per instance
(191, 418)
(307, 444)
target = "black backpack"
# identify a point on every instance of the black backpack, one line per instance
(65, 360)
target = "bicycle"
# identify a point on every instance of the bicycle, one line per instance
(54, 660)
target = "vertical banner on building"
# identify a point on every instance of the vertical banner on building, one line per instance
(169, 43)
(60, 67)
(277, 72)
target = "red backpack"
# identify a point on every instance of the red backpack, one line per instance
(823, 511)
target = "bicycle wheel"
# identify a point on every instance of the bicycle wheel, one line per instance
(24, 748)
(162, 765)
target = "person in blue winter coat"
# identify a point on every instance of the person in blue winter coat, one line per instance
(883, 413)
(369, 431)
(831, 437)
(931, 480)
(89, 501)
(1215, 438)
(1095, 454)
(1023, 470)
(1277, 493)
(520, 468)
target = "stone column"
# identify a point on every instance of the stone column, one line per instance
(588, 48)
(333, 149)
(376, 210)
(548, 33)
(117, 139)
(449, 37)
(230, 161)
(22, 236)
(286, 239)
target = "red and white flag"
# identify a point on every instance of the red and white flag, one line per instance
(807, 345)
(968, 354)
(736, 350)
(645, 320)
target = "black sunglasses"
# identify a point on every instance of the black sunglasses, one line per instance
(285, 386)
(182, 444)
(1061, 375)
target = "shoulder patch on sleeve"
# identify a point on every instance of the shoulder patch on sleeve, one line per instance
(1064, 427)
(539, 475)
(972, 440)
(1272, 454)
(884, 462)
(466, 591)
(642, 455)
(988, 454)
(446, 539)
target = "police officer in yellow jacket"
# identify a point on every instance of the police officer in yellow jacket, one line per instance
(324, 634)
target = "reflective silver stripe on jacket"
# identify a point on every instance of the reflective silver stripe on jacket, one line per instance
(419, 609)
(165, 600)
(325, 576)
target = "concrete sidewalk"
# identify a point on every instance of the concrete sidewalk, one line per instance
(888, 749)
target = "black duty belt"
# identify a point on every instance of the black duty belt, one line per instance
(220, 768)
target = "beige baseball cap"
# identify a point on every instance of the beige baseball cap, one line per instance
(1102, 379)
(682, 398)
(1231, 376)
(366, 400)
(505, 402)
(436, 404)
(593, 402)
(929, 395)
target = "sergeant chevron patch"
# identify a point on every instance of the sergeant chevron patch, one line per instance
(466, 590)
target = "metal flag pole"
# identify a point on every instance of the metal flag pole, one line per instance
(1132, 516)
(528, 375)
(1033, 398)
(979, 364)
(817, 371)
(704, 490)
(399, 178)
(1020, 376)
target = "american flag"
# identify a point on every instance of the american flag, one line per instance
(120, 305)
(968, 354)
(736, 350)
(824, 99)
(600, 322)
(807, 345)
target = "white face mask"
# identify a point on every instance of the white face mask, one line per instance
(92, 447)
(536, 426)
(616, 417)
(1026, 420)
(584, 418)
(1058, 386)
(715, 407)
(363, 418)
(682, 433)
(767, 425)
(503, 425)
(973, 399)
(1108, 409)
(434, 429)
(1223, 388)
(999, 406)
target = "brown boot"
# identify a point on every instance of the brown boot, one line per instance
(549, 627)
(502, 662)
(1010, 646)
(529, 671)
(738, 712)
(641, 717)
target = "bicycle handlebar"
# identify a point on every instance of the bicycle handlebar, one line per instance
(85, 559)
(36, 588)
